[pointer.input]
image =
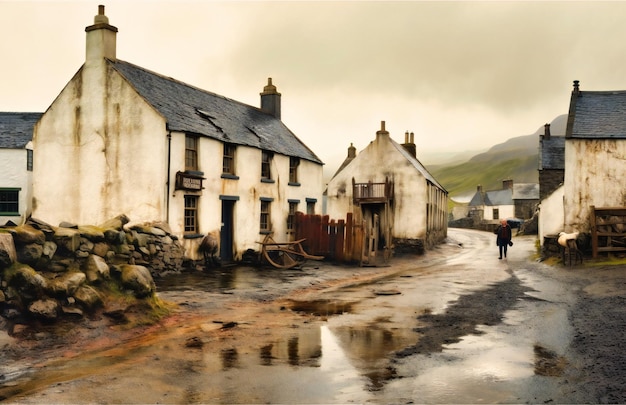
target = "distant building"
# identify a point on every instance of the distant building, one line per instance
(489, 207)
(385, 186)
(16, 165)
(525, 199)
(121, 139)
(551, 162)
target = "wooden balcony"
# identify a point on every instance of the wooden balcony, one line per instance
(372, 192)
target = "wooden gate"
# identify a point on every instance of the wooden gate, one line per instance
(342, 240)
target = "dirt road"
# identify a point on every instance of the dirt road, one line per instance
(456, 325)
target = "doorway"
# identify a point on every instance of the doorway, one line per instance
(227, 231)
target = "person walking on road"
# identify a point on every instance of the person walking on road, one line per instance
(503, 239)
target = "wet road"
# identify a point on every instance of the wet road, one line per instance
(454, 326)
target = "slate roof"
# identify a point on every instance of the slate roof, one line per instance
(552, 153)
(599, 114)
(416, 163)
(16, 128)
(526, 191)
(192, 110)
(492, 198)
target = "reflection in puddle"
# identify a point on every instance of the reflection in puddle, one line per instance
(322, 307)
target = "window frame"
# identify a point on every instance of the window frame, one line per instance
(291, 216)
(29, 160)
(190, 216)
(294, 163)
(228, 159)
(191, 153)
(266, 165)
(265, 216)
(6, 201)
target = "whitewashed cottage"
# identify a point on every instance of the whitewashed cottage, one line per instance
(392, 192)
(16, 165)
(489, 207)
(120, 139)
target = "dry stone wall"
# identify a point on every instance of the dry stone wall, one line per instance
(47, 271)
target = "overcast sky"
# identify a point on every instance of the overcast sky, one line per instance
(460, 75)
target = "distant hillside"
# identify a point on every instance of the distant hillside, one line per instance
(515, 159)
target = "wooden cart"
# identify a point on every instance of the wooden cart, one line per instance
(285, 255)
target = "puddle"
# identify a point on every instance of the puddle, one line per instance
(321, 307)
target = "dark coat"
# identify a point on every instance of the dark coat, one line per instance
(504, 235)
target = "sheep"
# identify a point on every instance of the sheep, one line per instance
(209, 247)
(569, 244)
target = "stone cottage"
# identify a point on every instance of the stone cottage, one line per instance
(16, 165)
(385, 186)
(121, 139)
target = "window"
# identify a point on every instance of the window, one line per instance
(496, 213)
(291, 216)
(293, 170)
(191, 153)
(265, 220)
(266, 161)
(229, 159)
(29, 160)
(191, 214)
(9, 201)
(310, 206)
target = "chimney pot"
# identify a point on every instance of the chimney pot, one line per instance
(576, 86)
(546, 131)
(412, 138)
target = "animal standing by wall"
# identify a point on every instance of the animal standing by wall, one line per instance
(570, 247)
(210, 249)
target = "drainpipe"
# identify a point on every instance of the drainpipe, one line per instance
(169, 160)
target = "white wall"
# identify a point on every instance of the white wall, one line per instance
(594, 175)
(14, 175)
(551, 215)
(378, 160)
(95, 159)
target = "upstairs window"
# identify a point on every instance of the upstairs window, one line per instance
(9, 201)
(294, 162)
(191, 214)
(266, 163)
(228, 165)
(496, 213)
(191, 153)
(29, 160)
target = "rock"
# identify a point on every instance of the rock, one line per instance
(26, 234)
(27, 282)
(96, 269)
(68, 225)
(68, 284)
(116, 223)
(88, 297)
(8, 255)
(72, 311)
(67, 238)
(137, 279)
(100, 249)
(46, 309)
(91, 233)
(30, 253)
(49, 249)
(2, 297)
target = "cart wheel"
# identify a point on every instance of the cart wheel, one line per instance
(280, 258)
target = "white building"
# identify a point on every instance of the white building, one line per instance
(489, 207)
(120, 139)
(16, 166)
(386, 181)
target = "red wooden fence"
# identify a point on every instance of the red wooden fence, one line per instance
(340, 240)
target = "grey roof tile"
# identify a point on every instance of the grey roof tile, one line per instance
(600, 114)
(552, 153)
(192, 110)
(526, 191)
(16, 128)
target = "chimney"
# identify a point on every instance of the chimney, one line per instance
(382, 131)
(270, 99)
(409, 145)
(507, 184)
(351, 151)
(569, 128)
(479, 188)
(546, 131)
(101, 38)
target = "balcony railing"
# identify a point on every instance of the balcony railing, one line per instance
(372, 192)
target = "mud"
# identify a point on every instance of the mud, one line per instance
(454, 326)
